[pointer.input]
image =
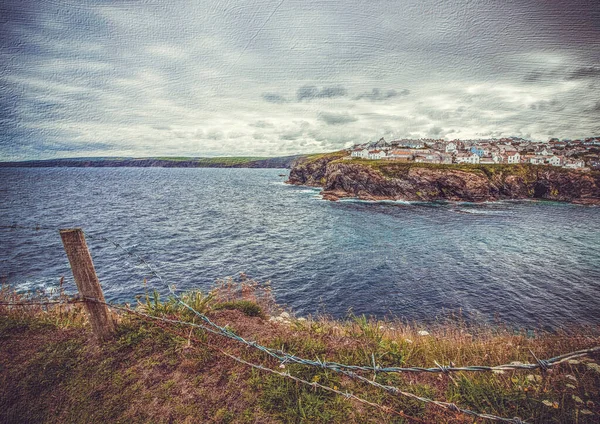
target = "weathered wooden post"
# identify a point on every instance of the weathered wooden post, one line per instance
(87, 282)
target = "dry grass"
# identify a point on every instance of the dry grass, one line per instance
(51, 372)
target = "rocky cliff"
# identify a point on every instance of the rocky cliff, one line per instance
(383, 180)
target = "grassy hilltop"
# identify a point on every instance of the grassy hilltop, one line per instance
(50, 371)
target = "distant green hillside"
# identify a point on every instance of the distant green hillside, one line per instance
(164, 161)
(233, 160)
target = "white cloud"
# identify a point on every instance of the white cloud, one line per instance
(145, 78)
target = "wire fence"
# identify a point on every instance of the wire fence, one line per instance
(283, 357)
(394, 390)
(286, 374)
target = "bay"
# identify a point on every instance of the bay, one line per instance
(521, 263)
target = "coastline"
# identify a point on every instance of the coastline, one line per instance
(389, 180)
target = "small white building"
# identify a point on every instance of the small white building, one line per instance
(544, 152)
(498, 157)
(575, 164)
(360, 153)
(400, 154)
(513, 157)
(376, 154)
(536, 159)
(555, 160)
(451, 147)
(467, 158)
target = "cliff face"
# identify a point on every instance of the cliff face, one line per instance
(379, 180)
(311, 170)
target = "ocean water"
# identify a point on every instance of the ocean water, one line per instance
(522, 263)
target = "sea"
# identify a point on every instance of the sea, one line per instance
(523, 264)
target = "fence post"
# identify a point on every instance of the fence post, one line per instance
(87, 282)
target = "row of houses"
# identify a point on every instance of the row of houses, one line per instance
(472, 152)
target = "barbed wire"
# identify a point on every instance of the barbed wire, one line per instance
(349, 369)
(444, 405)
(392, 389)
(346, 394)
(541, 363)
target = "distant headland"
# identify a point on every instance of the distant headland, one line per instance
(163, 162)
(472, 171)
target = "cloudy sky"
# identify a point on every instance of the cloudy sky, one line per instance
(279, 77)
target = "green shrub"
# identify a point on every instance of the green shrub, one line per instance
(246, 306)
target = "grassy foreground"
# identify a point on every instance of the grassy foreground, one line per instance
(52, 371)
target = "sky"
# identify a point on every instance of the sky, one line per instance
(280, 77)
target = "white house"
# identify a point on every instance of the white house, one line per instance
(451, 147)
(360, 153)
(376, 154)
(575, 164)
(537, 159)
(544, 152)
(513, 157)
(555, 160)
(497, 157)
(467, 158)
(400, 154)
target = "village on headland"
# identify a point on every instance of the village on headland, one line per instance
(580, 154)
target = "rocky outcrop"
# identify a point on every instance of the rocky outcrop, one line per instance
(383, 180)
(311, 170)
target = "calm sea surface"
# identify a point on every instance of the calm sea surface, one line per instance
(527, 264)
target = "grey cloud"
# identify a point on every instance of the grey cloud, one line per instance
(595, 108)
(547, 105)
(329, 92)
(562, 73)
(533, 76)
(336, 118)
(290, 135)
(377, 95)
(274, 98)
(162, 127)
(435, 131)
(311, 92)
(261, 124)
(214, 135)
(293, 133)
(307, 92)
(584, 72)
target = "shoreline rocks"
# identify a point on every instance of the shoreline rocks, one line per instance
(387, 180)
